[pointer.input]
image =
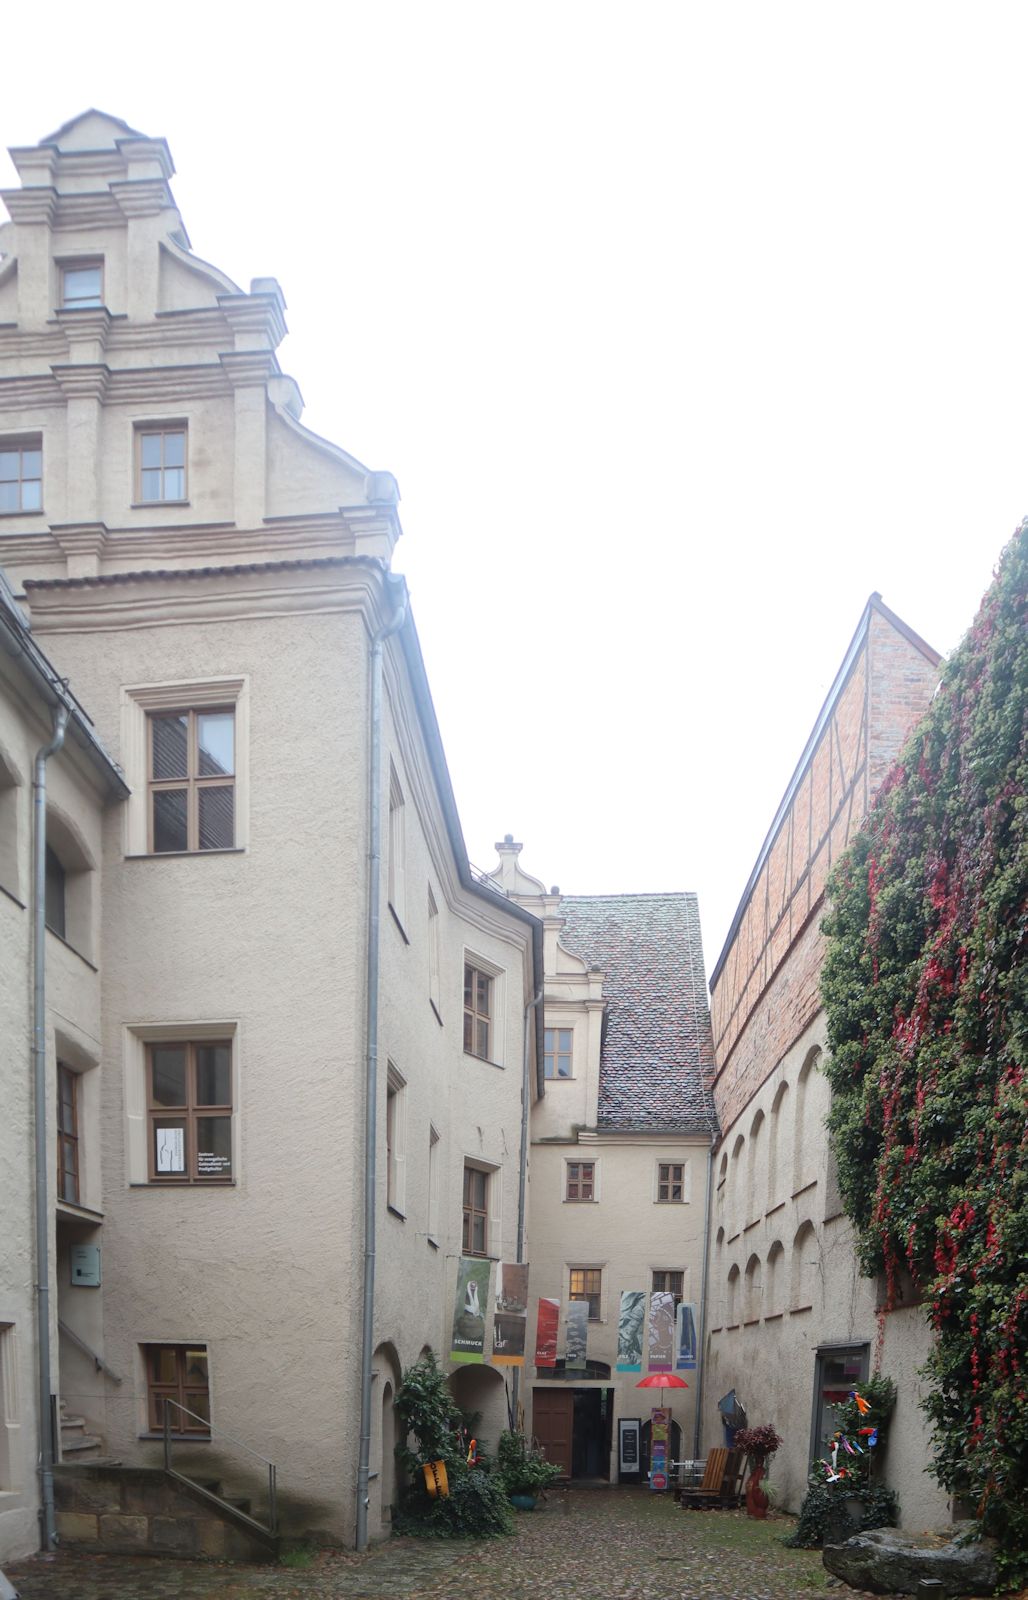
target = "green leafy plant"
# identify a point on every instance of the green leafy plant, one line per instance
(878, 1508)
(868, 1504)
(925, 986)
(521, 1467)
(477, 1505)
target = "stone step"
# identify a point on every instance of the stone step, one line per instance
(81, 1443)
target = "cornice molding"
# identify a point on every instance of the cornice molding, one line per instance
(83, 381)
(28, 206)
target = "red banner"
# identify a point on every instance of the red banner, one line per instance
(546, 1333)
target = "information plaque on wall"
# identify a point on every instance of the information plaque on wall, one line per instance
(629, 1441)
(85, 1266)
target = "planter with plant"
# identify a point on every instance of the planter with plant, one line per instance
(760, 1445)
(844, 1496)
(522, 1470)
(473, 1503)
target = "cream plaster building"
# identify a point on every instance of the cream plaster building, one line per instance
(620, 1148)
(215, 581)
(791, 1325)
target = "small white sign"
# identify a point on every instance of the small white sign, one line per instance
(171, 1150)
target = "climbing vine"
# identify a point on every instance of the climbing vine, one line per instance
(925, 985)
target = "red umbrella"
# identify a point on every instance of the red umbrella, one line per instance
(662, 1381)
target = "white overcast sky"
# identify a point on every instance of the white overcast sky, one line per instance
(682, 326)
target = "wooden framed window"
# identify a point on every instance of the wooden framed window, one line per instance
(189, 1111)
(581, 1176)
(161, 463)
(478, 1009)
(178, 1372)
(191, 767)
(586, 1284)
(21, 475)
(670, 1182)
(67, 1134)
(557, 1052)
(671, 1282)
(82, 283)
(475, 1236)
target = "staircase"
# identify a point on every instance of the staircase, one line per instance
(76, 1443)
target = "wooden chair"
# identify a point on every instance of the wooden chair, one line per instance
(708, 1493)
(735, 1472)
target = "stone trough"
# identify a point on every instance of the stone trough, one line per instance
(885, 1561)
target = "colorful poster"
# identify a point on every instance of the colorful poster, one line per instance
(469, 1308)
(662, 1330)
(510, 1317)
(546, 1333)
(577, 1336)
(630, 1330)
(685, 1339)
(660, 1433)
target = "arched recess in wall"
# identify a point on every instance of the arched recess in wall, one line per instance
(804, 1269)
(734, 1190)
(481, 1391)
(754, 1187)
(717, 1317)
(751, 1297)
(384, 1438)
(70, 870)
(10, 826)
(774, 1286)
(779, 1153)
(732, 1298)
(805, 1133)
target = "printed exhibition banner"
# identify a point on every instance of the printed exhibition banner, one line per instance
(469, 1306)
(577, 1335)
(510, 1317)
(685, 1339)
(660, 1434)
(546, 1333)
(662, 1330)
(630, 1330)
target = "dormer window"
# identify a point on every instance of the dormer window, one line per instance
(82, 284)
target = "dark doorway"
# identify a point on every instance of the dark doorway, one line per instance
(590, 1447)
(838, 1370)
(553, 1427)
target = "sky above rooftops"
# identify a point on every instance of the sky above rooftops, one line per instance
(683, 327)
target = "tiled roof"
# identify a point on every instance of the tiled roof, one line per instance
(657, 1058)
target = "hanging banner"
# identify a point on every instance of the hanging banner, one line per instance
(546, 1333)
(685, 1339)
(630, 1330)
(662, 1330)
(510, 1317)
(469, 1307)
(660, 1433)
(577, 1335)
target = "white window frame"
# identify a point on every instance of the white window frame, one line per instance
(673, 1161)
(559, 1027)
(493, 1205)
(588, 1266)
(136, 1037)
(137, 702)
(577, 1161)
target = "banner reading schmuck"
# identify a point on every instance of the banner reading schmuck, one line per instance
(469, 1306)
(510, 1317)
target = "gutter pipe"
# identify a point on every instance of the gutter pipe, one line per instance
(46, 1437)
(371, 1058)
(701, 1365)
(526, 1102)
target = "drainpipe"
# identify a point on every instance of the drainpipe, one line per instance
(371, 1059)
(46, 1438)
(701, 1365)
(526, 1102)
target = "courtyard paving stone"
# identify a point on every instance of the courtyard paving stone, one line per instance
(605, 1544)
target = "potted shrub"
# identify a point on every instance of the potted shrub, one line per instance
(522, 1470)
(760, 1445)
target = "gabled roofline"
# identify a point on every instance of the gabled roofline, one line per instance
(875, 604)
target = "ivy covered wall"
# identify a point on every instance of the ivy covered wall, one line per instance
(925, 986)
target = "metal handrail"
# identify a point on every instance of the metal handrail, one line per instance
(101, 1365)
(271, 1527)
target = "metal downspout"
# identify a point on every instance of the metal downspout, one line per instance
(526, 1104)
(371, 1061)
(701, 1365)
(46, 1438)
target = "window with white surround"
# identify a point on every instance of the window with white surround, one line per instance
(671, 1183)
(176, 1375)
(586, 1283)
(580, 1180)
(475, 1228)
(10, 1413)
(21, 475)
(396, 1140)
(181, 740)
(181, 1087)
(558, 1052)
(483, 1009)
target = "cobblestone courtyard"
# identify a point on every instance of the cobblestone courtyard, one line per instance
(585, 1545)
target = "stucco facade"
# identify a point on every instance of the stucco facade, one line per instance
(790, 1322)
(239, 584)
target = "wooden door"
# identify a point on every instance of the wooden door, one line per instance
(552, 1423)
